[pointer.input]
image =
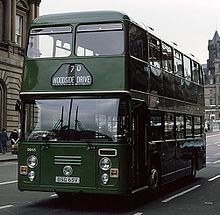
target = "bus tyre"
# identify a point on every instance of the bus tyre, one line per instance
(193, 168)
(154, 177)
(62, 195)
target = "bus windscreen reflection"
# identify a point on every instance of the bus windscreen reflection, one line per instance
(75, 119)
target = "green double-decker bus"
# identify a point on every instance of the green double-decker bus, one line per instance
(107, 107)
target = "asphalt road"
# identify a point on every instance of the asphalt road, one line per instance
(201, 196)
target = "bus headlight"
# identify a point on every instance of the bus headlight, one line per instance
(105, 164)
(31, 175)
(32, 161)
(104, 178)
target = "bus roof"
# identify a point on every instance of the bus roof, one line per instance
(98, 16)
(76, 17)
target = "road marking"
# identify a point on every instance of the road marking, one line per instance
(212, 179)
(139, 213)
(8, 182)
(213, 144)
(6, 206)
(214, 135)
(8, 163)
(218, 161)
(181, 193)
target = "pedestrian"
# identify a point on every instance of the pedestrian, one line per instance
(14, 137)
(3, 140)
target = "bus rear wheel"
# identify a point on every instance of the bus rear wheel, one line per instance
(154, 177)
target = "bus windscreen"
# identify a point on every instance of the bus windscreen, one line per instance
(76, 119)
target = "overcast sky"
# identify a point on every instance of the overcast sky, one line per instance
(189, 23)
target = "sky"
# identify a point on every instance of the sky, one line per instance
(188, 23)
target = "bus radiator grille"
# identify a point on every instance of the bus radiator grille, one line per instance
(68, 160)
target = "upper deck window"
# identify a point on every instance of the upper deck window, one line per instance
(187, 68)
(138, 42)
(155, 51)
(167, 57)
(178, 63)
(50, 42)
(99, 40)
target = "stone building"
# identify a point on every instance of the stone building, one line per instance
(15, 18)
(212, 83)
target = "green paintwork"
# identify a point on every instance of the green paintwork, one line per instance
(39, 79)
(80, 17)
(108, 74)
(86, 167)
(37, 73)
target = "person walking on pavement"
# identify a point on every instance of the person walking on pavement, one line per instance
(14, 137)
(3, 140)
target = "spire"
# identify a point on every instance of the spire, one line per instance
(216, 38)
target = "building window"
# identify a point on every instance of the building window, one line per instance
(19, 27)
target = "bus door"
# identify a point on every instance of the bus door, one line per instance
(183, 159)
(169, 148)
(140, 144)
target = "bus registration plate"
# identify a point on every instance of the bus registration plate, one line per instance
(67, 180)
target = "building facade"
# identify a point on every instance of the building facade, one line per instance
(15, 18)
(212, 84)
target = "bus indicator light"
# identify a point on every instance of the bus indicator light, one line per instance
(23, 170)
(31, 175)
(104, 179)
(114, 172)
(105, 163)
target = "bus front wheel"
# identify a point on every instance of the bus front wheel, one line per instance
(63, 195)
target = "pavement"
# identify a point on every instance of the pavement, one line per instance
(8, 156)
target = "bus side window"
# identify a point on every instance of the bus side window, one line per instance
(180, 128)
(169, 126)
(178, 63)
(197, 126)
(138, 42)
(189, 126)
(201, 80)
(167, 58)
(195, 72)
(156, 127)
(187, 68)
(155, 51)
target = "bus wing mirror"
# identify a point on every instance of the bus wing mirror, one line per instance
(18, 106)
